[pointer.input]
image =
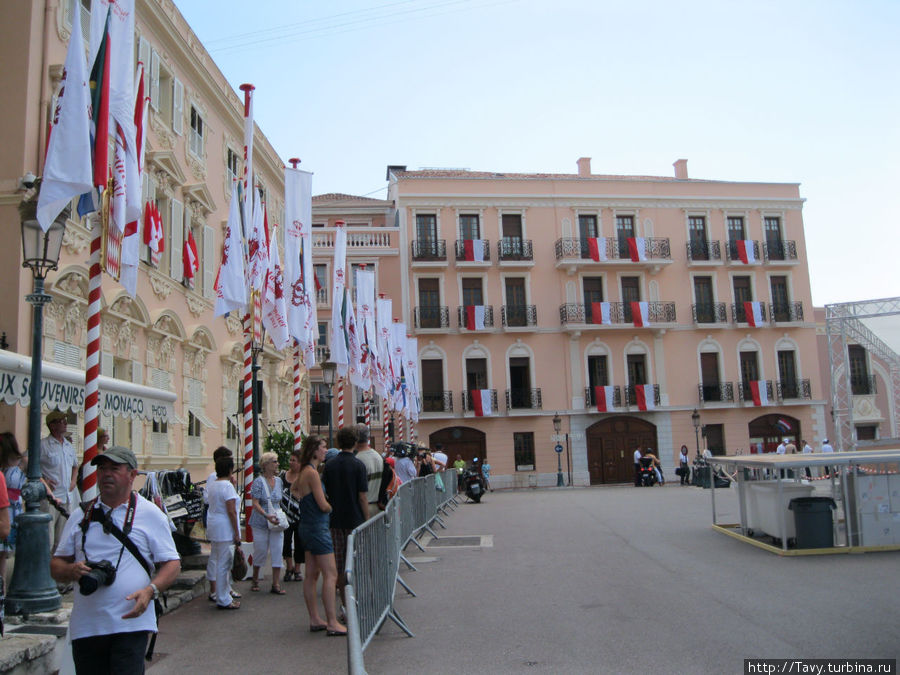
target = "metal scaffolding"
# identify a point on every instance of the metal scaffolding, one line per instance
(844, 326)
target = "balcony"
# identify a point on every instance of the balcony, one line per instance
(523, 399)
(631, 395)
(590, 400)
(322, 296)
(575, 253)
(371, 239)
(780, 251)
(798, 389)
(429, 250)
(734, 254)
(721, 392)
(704, 252)
(620, 314)
(786, 312)
(322, 353)
(511, 250)
(518, 316)
(710, 312)
(862, 386)
(739, 312)
(479, 248)
(745, 395)
(467, 405)
(437, 401)
(462, 319)
(432, 317)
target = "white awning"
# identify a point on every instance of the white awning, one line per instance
(202, 418)
(62, 388)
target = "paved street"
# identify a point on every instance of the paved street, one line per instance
(611, 580)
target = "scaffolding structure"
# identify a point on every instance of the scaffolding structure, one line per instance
(844, 326)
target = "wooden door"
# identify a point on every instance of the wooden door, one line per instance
(610, 447)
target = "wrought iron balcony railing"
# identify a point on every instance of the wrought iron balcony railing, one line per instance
(784, 312)
(733, 254)
(793, 389)
(482, 245)
(709, 312)
(590, 398)
(703, 251)
(461, 317)
(716, 393)
(437, 401)
(517, 399)
(429, 249)
(619, 313)
(428, 316)
(746, 394)
(655, 248)
(631, 395)
(518, 316)
(467, 405)
(780, 250)
(512, 248)
(860, 386)
(739, 312)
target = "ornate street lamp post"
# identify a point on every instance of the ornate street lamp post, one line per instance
(557, 426)
(328, 373)
(695, 419)
(31, 589)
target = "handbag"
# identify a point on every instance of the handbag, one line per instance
(282, 523)
(438, 482)
(238, 565)
(291, 506)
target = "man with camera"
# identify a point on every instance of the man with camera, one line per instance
(110, 549)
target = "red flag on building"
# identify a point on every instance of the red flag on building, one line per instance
(191, 260)
(481, 402)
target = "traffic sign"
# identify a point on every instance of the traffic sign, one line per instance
(558, 448)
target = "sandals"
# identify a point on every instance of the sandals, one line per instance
(233, 605)
(255, 586)
(317, 628)
(278, 590)
(336, 633)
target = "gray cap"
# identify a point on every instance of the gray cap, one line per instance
(331, 452)
(118, 455)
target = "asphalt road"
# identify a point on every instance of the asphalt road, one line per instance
(588, 580)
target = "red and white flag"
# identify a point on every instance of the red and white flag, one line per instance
(644, 395)
(637, 248)
(191, 260)
(597, 248)
(481, 402)
(640, 313)
(153, 232)
(759, 392)
(67, 166)
(257, 246)
(474, 250)
(274, 316)
(604, 398)
(231, 288)
(384, 382)
(121, 63)
(134, 158)
(365, 322)
(753, 312)
(746, 251)
(475, 317)
(299, 274)
(600, 313)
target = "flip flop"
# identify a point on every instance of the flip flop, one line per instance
(317, 628)
(211, 597)
(254, 587)
(336, 633)
(233, 605)
(278, 591)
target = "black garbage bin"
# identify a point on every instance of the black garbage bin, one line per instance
(813, 521)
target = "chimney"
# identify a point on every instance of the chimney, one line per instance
(584, 166)
(681, 169)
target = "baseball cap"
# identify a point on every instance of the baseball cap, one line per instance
(118, 455)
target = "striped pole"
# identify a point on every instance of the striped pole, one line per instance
(340, 420)
(402, 423)
(385, 424)
(367, 403)
(298, 424)
(92, 373)
(248, 424)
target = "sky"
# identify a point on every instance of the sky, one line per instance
(795, 91)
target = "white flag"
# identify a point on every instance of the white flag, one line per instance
(257, 247)
(412, 376)
(298, 268)
(384, 379)
(365, 318)
(338, 342)
(231, 289)
(274, 313)
(121, 62)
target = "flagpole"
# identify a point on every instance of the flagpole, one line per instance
(248, 426)
(298, 409)
(385, 425)
(92, 372)
(340, 422)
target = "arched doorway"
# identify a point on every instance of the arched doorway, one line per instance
(767, 431)
(465, 441)
(611, 444)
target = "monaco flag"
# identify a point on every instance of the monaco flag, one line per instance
(746, 252)
(640, 313)
(644, 395)
(475, 317)
(759, 393)
(231, 290)
(274, 317)
(597, 248)
(474, 250)
(753, 312)
(600, 313)
(637, 248)
(153, 232)
(191, 260)
(481, 402)
(604, 398)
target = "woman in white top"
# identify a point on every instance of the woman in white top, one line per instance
(222, 530)
(266, 494)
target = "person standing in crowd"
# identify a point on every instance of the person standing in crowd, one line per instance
(316, 537)
(11, 461)
(637, 467)
(486, 474)
(440, 458)
(373, 463)
(219, 453)
(266, 494)
(110, 624)
(827, 448)
(389, 483)
(426, 464)
(292, 549)
(807, 450)
(347, 488)
(60, 471)
(102, 440)
(404, 466)
(223, 530)
(459, 464)
(684, 466)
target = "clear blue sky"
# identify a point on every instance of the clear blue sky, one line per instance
(800, 91)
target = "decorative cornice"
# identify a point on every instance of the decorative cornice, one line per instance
(197, 304)
(424, 201)
(76, 239)
(162, 286)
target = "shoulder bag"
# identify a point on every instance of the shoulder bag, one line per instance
(282, 523)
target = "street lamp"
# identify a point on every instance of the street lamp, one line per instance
(557, 426)
(695, 419)
(328, 373)
(31, 589)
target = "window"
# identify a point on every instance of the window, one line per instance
(232, 167)
(469, 227)
(631, 292)
(523, 450)
(193, 429)
(476, 374)
(426, 227)
(774, 243)
(698, 241)
(781, 307)
(520, 383)
(429, 303)
(637, 369)
(472, 292)
(703, 296)
(516, 310)
(742, 294)
(320, 272)
(598, 374)
(196, 141)
(709, 374)
(593, 292)
(624, 231)
(867, 432)
(511, 224)
(432, 385)
(859, 370)
(749, 370)
(735, 228)
(587, 228)
(787, 374)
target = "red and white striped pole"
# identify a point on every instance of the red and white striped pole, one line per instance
(385, 424)
(340, 419)
(92, 372)
(248, 424)
(298, 423)
(402, 423)
(367, 403)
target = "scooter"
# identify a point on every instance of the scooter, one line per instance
(474, 485)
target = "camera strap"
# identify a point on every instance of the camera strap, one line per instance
(109, 527)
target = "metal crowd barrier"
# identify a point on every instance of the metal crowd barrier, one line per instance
(374, 552)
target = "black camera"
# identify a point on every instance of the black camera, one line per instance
(102, 574)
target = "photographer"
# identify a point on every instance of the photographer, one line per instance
(112, 616)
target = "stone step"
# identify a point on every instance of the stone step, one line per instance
(194, 562)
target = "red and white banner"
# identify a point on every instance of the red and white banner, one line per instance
(597, 248)
(759, 393)
(231, 289)
(384, 381)
(603, 396)
(475, 317)
(640, 313)
(753, 312)
(600, 313)
(190, 257)
(153, 232)
(299, 274)
(365, 322)
(644, 395)
(274, 312)
(637, 248)
(474, 250)
(121, 63)
(481, 402)
(746, 252)
(257, 246)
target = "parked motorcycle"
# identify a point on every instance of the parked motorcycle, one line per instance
(473, 484)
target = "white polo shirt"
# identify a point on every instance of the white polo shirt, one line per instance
(101, 612)
(57, 462)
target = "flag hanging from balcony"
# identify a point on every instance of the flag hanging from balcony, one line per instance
(153, 233)
(481, 402)
(644, 395)
(474, 250)
(597, 248)
(604, 398)
(475, 317)
(231, 289)
(640, 313)
(753, 312)
(190, 257)
(759, 393)
(746, 252)
(398, 350)
(600, 313)
(637, 248)
(784, 425)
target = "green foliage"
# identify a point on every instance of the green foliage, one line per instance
(281, 442)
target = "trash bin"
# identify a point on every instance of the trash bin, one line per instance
(813, 521)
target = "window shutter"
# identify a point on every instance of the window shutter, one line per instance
(208, 262)
(106, 364)
(177, 106)
(176, 239)
(137, 372)
(154, 79)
